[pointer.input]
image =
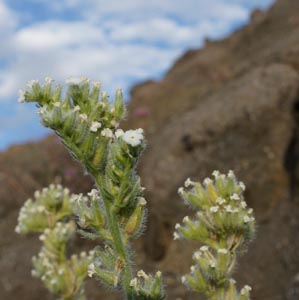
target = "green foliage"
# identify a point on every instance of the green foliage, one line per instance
(49, 206)
(51, 214)
(223, 224)
(115, 212)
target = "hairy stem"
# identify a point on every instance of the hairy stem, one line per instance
(119, 244)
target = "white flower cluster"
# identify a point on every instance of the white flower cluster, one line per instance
(137, 285)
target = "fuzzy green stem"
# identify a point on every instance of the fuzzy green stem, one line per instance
(120, 247)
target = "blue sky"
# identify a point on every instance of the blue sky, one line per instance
(116, 42)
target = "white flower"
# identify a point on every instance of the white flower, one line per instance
(60, 271)
(181, 190)
(93, 193)
(183, 279)
(41, 208)
(228, 208)
(207, 181)
(142, 201)
(95, 126)
(91, 270)
(53, 281)
(243, 204)
(230, 174)
(246, 219)
(197, 255)
(192, 269)
(158, 273)
(48, 80)
(31, 83)
(96, 84)
(242, 185)
(140, 130)
(245, 289)
(83, 117)
(250, 211)
(83, 254)
(189, 182)
(212, 264)
(214, 209)
(133, 283)
(18, 229)
(73, 81)
(42, 237)
(186, 219)
(177, 226)
(220, 201)
(133, 137)
(76, 108)
(223, 251)
(142, 274)
(84, 79)
(107, 133)
(119, 133)
(57, 104)
(176, 236)
(235, 197)
(204, 248)
(21, 98)
(216, 173)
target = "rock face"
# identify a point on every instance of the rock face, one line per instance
(231, 105)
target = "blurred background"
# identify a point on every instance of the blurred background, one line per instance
(116, 43)
(215, 85)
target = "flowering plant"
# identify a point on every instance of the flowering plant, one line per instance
(114, 213)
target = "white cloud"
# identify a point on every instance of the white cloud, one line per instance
(57, 34)
(106, 45)
(8, 19)
(115, 42)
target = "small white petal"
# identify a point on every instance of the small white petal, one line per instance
(133, 283)
(95, 126)
(107, 133)
(177, 226)
(119, 133)
(207, 181)
(214, 209)
(176, 236)
(230, 174)
(142, 274)
(31, 83)
(189, 182)
(142, 201)
(242, 186)
(216, 173)
(48, 80)
(222, 251)
(235, 196)
(186, 219)
(83, 117)
(180, 190)
(76, 108)
(21, 98)
(204, 248)
(73, 81)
